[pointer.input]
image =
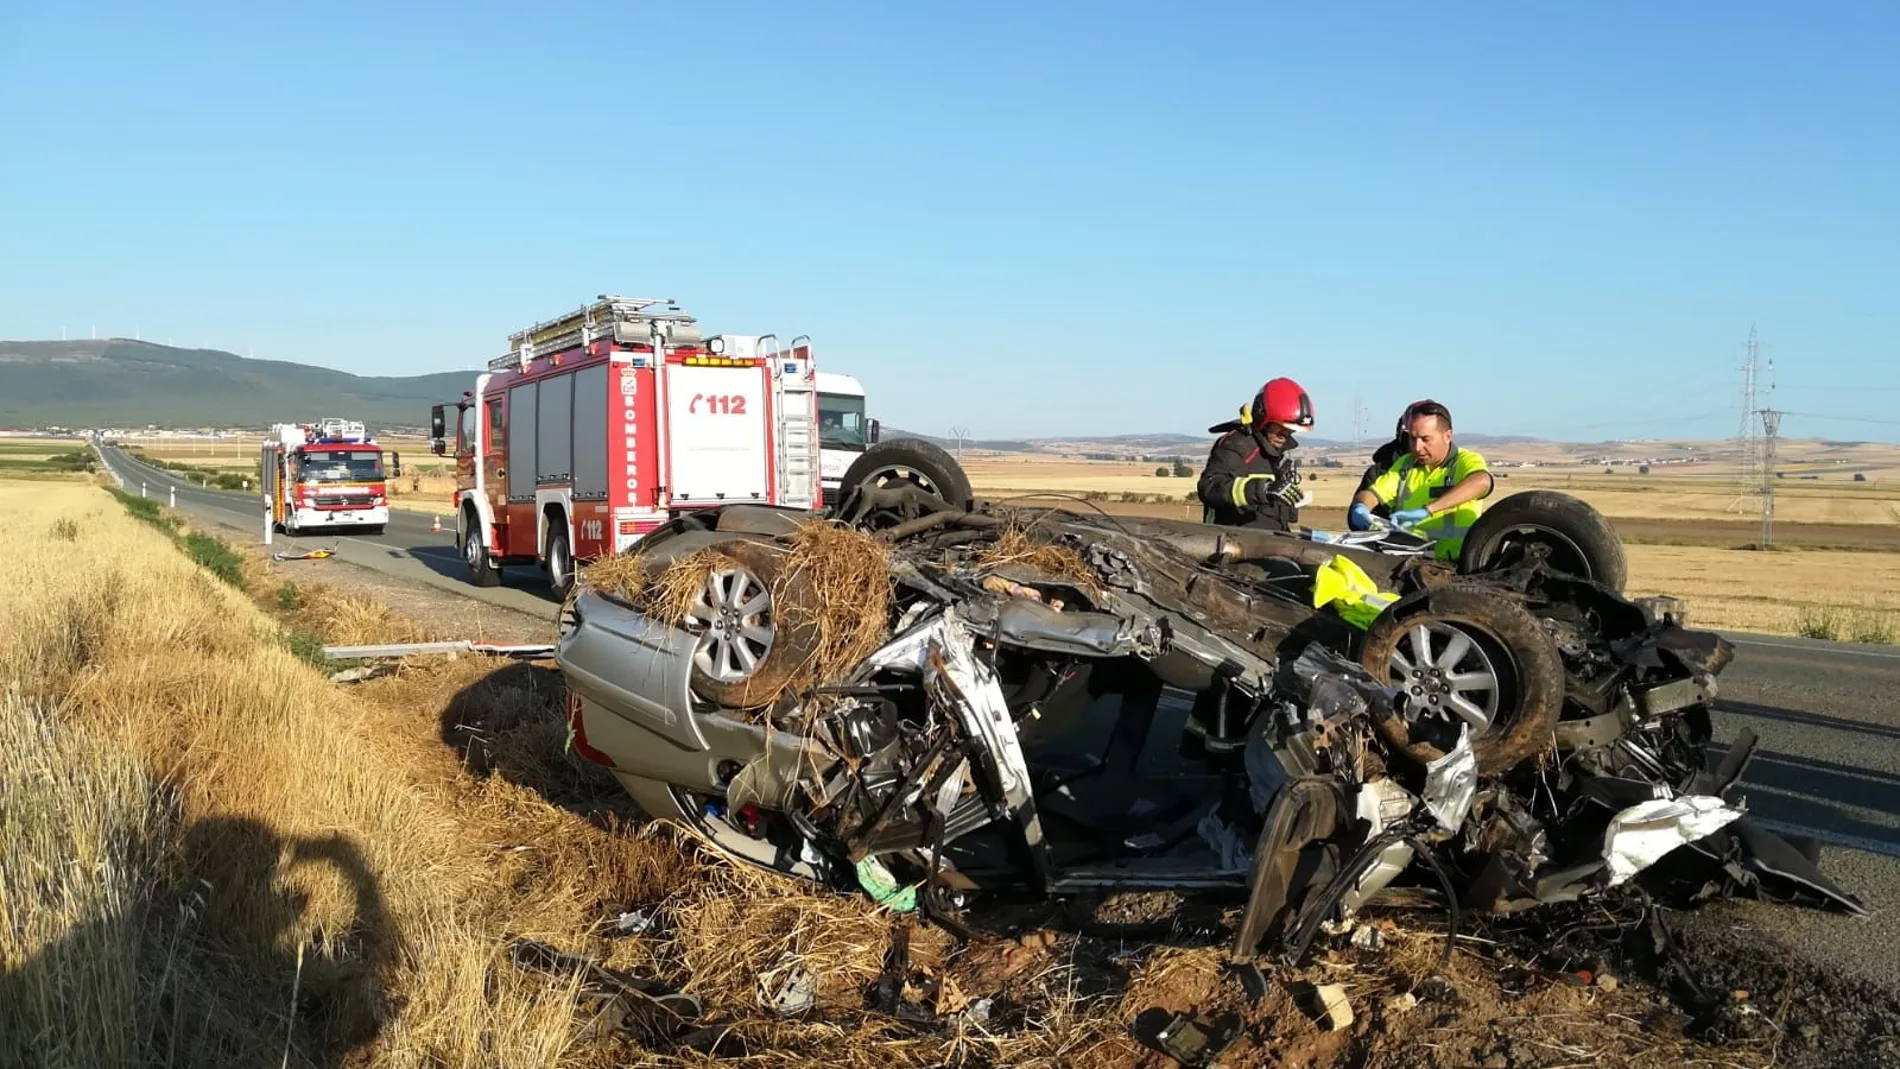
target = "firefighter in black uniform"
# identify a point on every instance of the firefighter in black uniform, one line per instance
(1250, 481)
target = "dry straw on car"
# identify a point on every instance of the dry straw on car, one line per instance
(1015, 548)
(837, 580)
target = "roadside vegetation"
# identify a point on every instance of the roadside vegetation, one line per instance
(29, 460)
(212, 478)
(1847, 623)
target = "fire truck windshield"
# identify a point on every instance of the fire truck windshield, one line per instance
(341, 466)
(840, 421)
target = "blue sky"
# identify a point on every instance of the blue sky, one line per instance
(1023, 218)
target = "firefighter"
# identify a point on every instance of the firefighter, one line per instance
(1250, 481)
(1437, 489)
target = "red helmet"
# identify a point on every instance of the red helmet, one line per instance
(1282, 401)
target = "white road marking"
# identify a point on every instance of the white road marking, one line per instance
(1850, 842)
(1847, 651)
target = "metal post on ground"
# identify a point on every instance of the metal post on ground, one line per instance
(174, 497)
(267, 523)
(141, 489)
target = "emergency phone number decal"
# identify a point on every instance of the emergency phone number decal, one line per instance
(718, 404)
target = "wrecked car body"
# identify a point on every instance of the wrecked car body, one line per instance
(1496, 739)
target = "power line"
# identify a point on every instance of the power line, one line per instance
(1845, 419)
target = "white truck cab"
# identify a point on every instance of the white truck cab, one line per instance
(843, 430)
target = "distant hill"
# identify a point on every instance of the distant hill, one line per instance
(118, 382)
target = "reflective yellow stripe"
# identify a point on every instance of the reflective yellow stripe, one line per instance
(1239, 492)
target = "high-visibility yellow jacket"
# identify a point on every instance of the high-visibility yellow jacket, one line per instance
(1408, 485)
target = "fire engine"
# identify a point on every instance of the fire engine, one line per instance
(326, 474)
(598, 426)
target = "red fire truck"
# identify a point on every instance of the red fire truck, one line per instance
(601, 425)
(326, 474)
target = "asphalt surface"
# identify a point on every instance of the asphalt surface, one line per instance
(1827, 766)
(407, 549)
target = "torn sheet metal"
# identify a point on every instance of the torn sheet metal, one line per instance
(1639, 836)
(1033, 625)
(984, 710)
(1451, 782)
(1382, 803)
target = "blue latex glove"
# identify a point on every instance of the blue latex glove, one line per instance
(1410, 517)
(1359, 516)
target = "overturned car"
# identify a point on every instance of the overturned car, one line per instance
(935, 702)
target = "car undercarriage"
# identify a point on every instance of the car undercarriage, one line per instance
(932, 703)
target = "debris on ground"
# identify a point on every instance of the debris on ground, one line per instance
(313, 554)
(1326, 1004)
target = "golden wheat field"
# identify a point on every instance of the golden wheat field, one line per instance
(1650, 497)
(1857, 595)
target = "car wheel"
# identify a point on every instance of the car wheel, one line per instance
(1461, 656)
(560, 564)
(481, 569)
(749, 648)
(1575, 538)
(900, 480)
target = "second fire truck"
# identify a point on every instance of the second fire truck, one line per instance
(327, 474)
(600, 425)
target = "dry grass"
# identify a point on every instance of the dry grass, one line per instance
(1745, 590)
(1015, 548)
(319, 844)
(837, 582)
(832, 589)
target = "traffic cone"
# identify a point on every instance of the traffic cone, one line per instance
(435, 524)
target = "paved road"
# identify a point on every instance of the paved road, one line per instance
(407, 549)
(1828, 765)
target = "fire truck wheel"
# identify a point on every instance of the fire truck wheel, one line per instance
(748, 649)
(560, 564)
(481, 571)
(900, 480)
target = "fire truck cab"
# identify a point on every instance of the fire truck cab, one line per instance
(600, 425)
(323, 475)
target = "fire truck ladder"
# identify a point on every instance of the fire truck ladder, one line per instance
(627, 320)
(796, 432)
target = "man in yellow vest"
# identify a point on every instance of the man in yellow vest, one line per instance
(1437, 490)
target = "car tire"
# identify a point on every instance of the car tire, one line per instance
(899, 463)
(1499, 637)
(1578, 539)
(720, 675)
(474, 547)
(560, 563)
(377, 529)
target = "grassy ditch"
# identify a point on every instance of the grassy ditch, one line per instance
(207, 550)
